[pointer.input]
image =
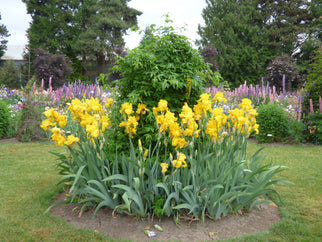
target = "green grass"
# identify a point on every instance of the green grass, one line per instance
(28, 181)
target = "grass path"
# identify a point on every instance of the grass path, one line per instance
(28, 181)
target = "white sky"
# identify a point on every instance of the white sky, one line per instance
(184, 13)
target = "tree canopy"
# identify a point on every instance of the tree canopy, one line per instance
(234, 29)
(249, 34)
(86, 30)
(4, 33)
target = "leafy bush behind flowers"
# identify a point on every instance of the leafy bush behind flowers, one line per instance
(202, 170)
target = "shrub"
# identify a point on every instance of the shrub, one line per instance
(296, 131)
(51, 66)
(164, 66)
(282, 65)
(29, 129)
(273, 123)
(4, 119)
(314, 128)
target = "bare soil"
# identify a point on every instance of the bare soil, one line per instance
(9, 140)
(123, 226)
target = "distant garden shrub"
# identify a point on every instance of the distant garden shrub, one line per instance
(29, 129)
(4, 119)
(314, 128)
(273, 123)
(54, 67)
(296, 131)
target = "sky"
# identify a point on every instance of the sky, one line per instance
(184, 13)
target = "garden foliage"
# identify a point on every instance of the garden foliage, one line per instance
(10, 75)
(313, 86)
(4, 119)
(164, 66)
(207, 174)
(314, 128)
(273, 123)
(51, 67)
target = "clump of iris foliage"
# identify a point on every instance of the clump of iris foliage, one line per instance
(197, 166)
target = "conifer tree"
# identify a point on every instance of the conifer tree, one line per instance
(234, 29)
(286, 23)
(103, 29)
(89, 29)
(3, 42)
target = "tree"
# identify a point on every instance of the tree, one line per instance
(316, 24)
(313, 39)
(52, 25)
(103, 30)
(9, 75)
(4, 33)
(285, 23)
(234, 28)
(51, 66)
(89, 29)
(249, 34)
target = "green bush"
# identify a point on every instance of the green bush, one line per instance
(314, 128)
(273, 123)
(164, 66)
(4, 119)
(296, 131)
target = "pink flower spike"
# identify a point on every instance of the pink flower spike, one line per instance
(311, 107)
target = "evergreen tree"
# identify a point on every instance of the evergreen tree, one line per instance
(285, 23)
(316, 24)
(234, 29)
(89, 29)
(107, 22)
(52, 25)
(249, 34)
(313, 39)
(3, 42)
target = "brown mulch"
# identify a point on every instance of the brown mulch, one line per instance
(9, 140)
(122, 226)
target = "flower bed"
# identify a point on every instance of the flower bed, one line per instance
(197, 165)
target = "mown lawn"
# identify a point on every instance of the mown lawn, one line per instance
(28, 181)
